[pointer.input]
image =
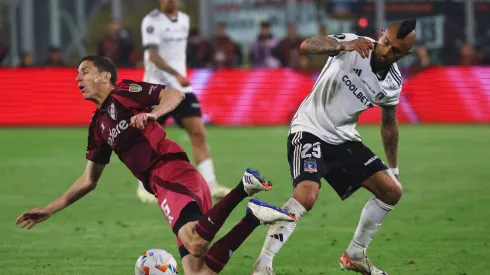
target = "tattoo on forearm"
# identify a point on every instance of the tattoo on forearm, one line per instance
(389, 134)
(322, 45)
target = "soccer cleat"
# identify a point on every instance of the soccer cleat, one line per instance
(363, 266)
(145, 196)
(269, 214)
(253, 183)
(219, 191)
(263, 270)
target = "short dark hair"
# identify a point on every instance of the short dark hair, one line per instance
(406, 27)
(103, 64)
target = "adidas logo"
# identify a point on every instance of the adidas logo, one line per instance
(358, 72)
(277, 236)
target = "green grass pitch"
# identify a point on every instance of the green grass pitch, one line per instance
(441, 226)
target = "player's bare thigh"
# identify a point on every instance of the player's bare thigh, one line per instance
(384, 186)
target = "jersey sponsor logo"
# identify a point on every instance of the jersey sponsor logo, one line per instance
(370, 160)
(114, 132)
(358, 71)
(362, 98)
(310, 166)
(135, 88)
(112, 111)
(166, 211)
(368, 86)
(339, 36)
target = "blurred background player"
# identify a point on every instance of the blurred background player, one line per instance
(323, 142)
(165, 32)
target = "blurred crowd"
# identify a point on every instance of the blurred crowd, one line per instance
(220, 51)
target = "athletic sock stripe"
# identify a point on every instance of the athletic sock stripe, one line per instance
(384, 206)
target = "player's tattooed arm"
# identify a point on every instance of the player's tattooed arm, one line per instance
(389, 134)
(161, 63)
(321, 45)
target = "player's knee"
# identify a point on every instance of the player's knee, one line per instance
(306, 193)
(197, 136)
(198, 247)
(392, 193)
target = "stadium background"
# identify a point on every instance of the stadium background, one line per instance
(439, 228)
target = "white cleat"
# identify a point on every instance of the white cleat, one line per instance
(263, 270)
(253, 183)
(269, 214)
(219, 191)
(363, 266)
(145, 196)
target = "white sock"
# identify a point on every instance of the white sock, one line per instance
(279, 233)
(140, 185)
(206, 168)
(372, 216)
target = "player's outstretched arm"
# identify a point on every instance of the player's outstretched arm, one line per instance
(163, 65)
(82, 186)
(330, 46)
(169, 100)
(389, 135)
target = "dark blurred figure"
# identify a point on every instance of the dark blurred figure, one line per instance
(3, 53)
(54, 58)
(226, 53)
(26, 60)
(287, 51)
(467, 56)
(118, 45)
(261, 49)
(482, 56)
(323, 30)
(422, 60)
(199, 50)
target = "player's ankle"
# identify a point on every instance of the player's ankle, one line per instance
(265, 258)
(355, 251)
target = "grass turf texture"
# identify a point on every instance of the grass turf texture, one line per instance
(440, 227)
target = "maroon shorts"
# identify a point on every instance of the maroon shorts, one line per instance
(177, 183)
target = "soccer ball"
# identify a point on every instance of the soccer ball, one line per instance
(156, 262)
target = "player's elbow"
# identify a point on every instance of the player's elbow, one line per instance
(178, 95)
(304, 46)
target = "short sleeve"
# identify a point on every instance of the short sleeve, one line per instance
(392, 97)
(344, 37)
(138, 94)
(98, 151)
(149, 33)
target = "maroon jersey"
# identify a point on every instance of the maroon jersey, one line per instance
(109, 130)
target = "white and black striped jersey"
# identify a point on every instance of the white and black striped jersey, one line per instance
(345, 88)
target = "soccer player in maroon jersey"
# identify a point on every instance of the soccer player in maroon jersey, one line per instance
(124, 124)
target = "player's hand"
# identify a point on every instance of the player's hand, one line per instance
(360, 45)
(32, 217)
(139, 121)
(184, 82)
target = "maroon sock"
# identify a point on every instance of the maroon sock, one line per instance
(211, 222)
(222, 250)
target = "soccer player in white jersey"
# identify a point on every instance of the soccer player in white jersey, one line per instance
(323, 142)
(164, 32)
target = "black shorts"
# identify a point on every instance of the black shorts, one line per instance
(345, 166)
(189, 107)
